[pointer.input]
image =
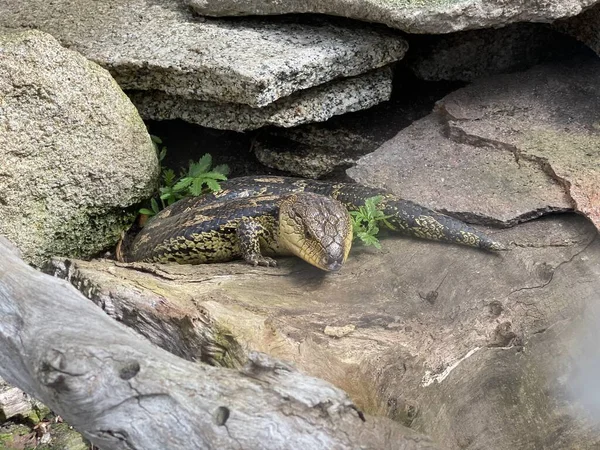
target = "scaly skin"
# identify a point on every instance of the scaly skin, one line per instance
(244, 219)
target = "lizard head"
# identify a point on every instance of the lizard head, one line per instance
(315, 228)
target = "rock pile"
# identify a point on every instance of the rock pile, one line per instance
(225, 74)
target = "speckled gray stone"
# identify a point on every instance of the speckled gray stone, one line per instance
(422, 16)
(311, 105)
(162, 45)
(280, 151)
(503, 149)
(585, 27)
(75, 155)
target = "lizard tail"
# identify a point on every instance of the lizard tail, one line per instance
(408, 217)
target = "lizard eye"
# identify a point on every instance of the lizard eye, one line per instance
(307, 234)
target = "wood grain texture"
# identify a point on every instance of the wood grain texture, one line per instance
(122, 392)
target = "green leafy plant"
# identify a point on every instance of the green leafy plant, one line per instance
(367, 219)
(161, 152)
(200, 175)
(151, 212)
(197, 179)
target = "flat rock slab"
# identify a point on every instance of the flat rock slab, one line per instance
(476, 184)
(75, 156)
(549, 116)
(502, 150)
(450, 340)
(161, 45)
(316, 104)
(428, 16)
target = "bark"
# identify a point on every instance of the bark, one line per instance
(122, 392)
(13, 402)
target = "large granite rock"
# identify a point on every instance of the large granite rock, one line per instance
(585, 27)
(428, 16)
(479, 351)
(162, 45)
(311, 105)
(74, 153)
(502, 150)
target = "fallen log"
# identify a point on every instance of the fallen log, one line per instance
(122, 392)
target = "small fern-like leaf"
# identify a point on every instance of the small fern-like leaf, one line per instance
(214, 176)
(213, 185)
(202, 166)
(196, 187)
(183, 184)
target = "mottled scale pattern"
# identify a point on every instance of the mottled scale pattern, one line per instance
(203, 229)
(205, 234)
(407, 216)
(316, 227)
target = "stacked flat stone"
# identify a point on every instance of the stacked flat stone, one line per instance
(228, 74)
(427, 16)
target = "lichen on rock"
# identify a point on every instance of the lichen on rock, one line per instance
(75, 154)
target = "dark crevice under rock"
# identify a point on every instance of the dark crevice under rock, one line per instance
(469, 55)
(185, 142)
(318, 150)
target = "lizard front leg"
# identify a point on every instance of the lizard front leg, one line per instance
(249, 232)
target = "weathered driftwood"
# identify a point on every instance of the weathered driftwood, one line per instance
(453, 342)
(122, 392)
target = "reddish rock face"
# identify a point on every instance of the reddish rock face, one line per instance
(502, 150)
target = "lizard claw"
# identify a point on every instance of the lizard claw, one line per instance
(259, 260)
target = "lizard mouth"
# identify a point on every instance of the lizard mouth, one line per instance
(334, 266)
